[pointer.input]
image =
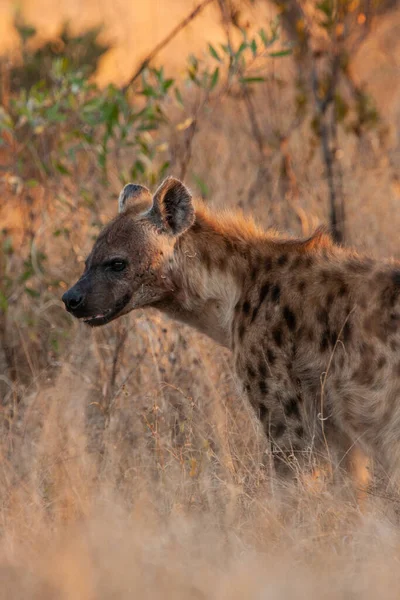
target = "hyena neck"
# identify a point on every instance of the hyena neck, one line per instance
(217, 262)
(206, 276)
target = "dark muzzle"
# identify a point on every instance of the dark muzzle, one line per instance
(73, 299)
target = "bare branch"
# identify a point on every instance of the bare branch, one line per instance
(199, 8)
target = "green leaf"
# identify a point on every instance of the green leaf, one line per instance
(214, 53)
(53, 114)
(138, 168)
(31, 183)
(280, 53)
(227, 49)
(263, 37)
(54, 344)
(62, 169)
(214, 78)
(253, 47)
(241, 49)
(251, 79)
(167, 84)
(326, 7)
(8, 246)
(178, 96)
(25, 31)
(203, 187)
(3, 302)
(27, 274)
(164, 168)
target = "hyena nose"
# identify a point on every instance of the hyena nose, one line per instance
(72, 299)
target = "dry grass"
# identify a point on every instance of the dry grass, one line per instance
(130, 465)
(158, 491)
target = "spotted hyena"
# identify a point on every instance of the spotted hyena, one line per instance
(314, 329)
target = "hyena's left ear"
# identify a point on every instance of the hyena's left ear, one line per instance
(172, 211)
(130, 195)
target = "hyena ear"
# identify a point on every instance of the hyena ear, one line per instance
(172, 211)
(131, 194)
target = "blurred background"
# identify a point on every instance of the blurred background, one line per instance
(129, 460)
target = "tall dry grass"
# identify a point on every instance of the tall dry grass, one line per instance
(159, 488)
(130, 464)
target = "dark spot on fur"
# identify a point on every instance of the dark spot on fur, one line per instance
(347, 331)
(241, 331)
(290, 318)
(263, 386)
(276, 293)
(277, 336)
(206, 259)
(268, 264)
(270, 356)
(333, 337)
(329, 300)
(301, 286)
(229, 246)
(308, 262)
(262, 369)
(343, 290)
(255, 313)
(323, 316)
(222, 263)
(324, 343)
(251, 372)
(263, 294)
(282, 260)
(364, 374)
(394, 321)
(262, 412)
(390, 294)
(324, 276)
(381, 362)
(246, 307)
(297, 262)
(278, 430)
(299, 431)
(397, 369)
(292, 409)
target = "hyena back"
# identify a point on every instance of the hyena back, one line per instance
(314, 329)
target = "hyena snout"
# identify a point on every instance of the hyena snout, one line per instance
(93, 303)
(73, 299)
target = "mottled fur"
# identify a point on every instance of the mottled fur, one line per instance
(314, 329)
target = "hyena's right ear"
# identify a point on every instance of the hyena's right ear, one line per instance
(130, 195)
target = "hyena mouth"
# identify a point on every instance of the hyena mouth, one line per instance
(108, 315)
(97, 319)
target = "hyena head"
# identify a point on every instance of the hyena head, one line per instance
(128, 265)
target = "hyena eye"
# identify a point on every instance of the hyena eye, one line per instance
(117, 265)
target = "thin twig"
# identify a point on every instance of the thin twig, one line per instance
(255, 128)
(199, 8)
(324, 377)
(322, 105)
